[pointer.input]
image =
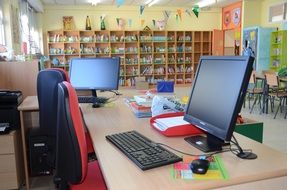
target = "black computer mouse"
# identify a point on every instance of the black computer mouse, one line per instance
(199, 166)
(96, 105)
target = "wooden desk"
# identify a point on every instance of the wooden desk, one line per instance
(30, 104)
(268, 171)
(121, 173)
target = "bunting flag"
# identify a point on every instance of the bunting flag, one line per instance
(166, 14)
(120, 2)
(130, 22)
(142, 22)
(188, 12)
(195, 10)
(118, 21)
(179, 12)
(153, 22)
(141, 9)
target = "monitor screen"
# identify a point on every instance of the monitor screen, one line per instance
(95, 73)
(217, 95)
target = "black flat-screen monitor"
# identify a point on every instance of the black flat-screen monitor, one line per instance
(95, 73)
(216, 98)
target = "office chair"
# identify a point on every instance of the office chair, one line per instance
(90, 147)
(42, 159)
(72, 168)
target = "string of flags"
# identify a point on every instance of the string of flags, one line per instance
(166, 13)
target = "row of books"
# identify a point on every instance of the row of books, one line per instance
(140, 110)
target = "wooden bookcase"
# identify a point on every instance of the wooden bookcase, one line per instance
(278, 50)
(155, 55)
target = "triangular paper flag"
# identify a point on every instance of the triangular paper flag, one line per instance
(141, 9)
(130, 22)
(179, 11)
(195, 10)
(166, 14)
(142, 22)
(188, 12)
(118, 21)
(120, 2)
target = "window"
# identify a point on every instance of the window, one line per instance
(29, 29)
(2, 35)
(278, 12)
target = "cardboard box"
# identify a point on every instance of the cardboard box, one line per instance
(141, 84)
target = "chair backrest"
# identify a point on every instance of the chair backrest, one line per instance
(47, 91)
(71, 156)
(252, 78)
(271, 79)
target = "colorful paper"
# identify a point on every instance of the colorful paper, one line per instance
(216, 170)
(195, 10)
(141, 9)
(120, 2)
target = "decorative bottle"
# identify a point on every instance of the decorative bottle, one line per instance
(88, 23)
(103, 26)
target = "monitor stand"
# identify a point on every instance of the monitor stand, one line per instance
(208, 143)
(98, 101)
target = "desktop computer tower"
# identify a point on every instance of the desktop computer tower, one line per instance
(39, 156)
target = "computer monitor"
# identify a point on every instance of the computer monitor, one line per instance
(95, 73)
(216, 98)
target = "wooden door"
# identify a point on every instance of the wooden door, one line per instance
(218, 42)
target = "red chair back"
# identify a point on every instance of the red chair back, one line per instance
(72, 160)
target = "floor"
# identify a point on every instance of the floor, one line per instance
(274, 136)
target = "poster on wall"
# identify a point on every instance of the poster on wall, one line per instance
(227, 18)
(236, 16)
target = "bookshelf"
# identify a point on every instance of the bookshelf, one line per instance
(278, 50)
(155, 55)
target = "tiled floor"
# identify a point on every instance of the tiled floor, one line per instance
(274, 135)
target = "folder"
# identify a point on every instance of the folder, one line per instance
(179, 129)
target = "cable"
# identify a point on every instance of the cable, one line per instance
(244, 154)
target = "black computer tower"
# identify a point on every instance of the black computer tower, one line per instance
(39, 156)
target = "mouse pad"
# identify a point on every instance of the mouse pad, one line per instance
(216, 170)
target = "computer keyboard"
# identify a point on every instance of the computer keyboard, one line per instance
(142, 151)
(91, 99)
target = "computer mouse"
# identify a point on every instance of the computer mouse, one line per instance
(96, 105)
(199, 166)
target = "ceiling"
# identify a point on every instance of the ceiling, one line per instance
(177, 3)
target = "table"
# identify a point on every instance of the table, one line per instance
(30, 104)
(121, 173)
(268, 171)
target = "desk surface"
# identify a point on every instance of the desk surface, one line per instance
(121, 173)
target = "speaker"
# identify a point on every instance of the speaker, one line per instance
(39, 156)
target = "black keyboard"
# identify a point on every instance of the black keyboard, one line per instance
(91, 99)
(142, 151)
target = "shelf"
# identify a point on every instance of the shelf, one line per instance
(168, 50)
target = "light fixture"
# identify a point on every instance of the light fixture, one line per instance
(151, 2)
(94, 2)
(204, 3)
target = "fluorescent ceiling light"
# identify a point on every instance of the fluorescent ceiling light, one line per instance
(204, 3)
(94, 2)
(152, 2)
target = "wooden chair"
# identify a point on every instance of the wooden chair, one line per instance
(275, 91)
(255, 90)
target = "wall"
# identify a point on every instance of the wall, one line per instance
(252, 10)
(52, 17)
